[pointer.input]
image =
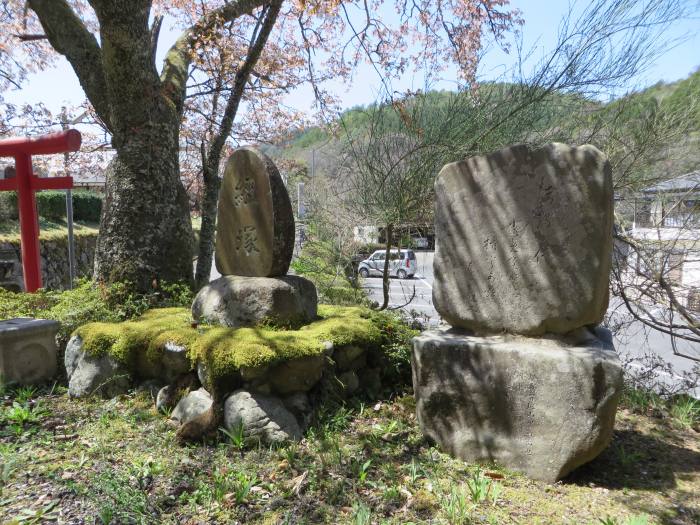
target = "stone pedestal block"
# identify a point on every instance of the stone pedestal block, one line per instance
(28, 353)
(542, 406)
(236, 301)
(524, 240)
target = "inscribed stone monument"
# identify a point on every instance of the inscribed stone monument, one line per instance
(524, 243)
(255, 224)
(524, 240)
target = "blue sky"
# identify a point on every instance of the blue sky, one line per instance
(59, 85)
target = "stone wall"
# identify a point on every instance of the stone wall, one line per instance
(54, 260)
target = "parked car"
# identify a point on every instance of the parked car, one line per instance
(402, 264)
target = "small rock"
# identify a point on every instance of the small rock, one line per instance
(195, 413)
(175, 361)
(172, 362)
(165, 399)
(370, 380)
(296, 375)
(347, 356)
(152, 386)
(299, 405)
(89, 374)
(203, 373)
(264, 418)
(72, 354)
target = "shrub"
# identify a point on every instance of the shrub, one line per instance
(87, 205)
(8, 205)
(90, 302)
(396, 346)
(325, 267)
(51, 204)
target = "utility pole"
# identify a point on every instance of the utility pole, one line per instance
(69, 208)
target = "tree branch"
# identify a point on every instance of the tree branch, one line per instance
(242, 75)
(68, 36)
(155, 33)
(178, 59)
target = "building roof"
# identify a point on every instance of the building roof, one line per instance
(688, 182)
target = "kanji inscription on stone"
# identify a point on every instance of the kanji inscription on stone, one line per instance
(244, 192)
(247, 240)
(255, 224)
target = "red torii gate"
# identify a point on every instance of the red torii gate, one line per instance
(26, 184)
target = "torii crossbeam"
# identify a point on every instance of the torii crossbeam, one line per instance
(26, 184)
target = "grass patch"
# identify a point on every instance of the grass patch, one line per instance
(119, 461)
(89, 302)
(48, 230)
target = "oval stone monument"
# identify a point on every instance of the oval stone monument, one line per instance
(255, 224)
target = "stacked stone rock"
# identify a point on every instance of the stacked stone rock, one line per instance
(254, 246)
(526, 377)
(267, 403)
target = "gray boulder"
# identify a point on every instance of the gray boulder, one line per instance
(195, 413)
(165, 399)
(89, 375)
(349, 357)
(72, 354)
(172, 363)
(524, 240)
(539, 406)
(350, 382)
(244, 301)
(300, 406)
(263, 418)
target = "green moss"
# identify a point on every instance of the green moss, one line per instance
(226, 350)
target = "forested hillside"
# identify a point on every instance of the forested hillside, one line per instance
(660, 124)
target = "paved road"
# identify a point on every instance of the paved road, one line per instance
(411, 295)
(634, 341)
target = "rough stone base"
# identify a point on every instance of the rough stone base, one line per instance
(236, 301)
(28, 353)
(542, 406)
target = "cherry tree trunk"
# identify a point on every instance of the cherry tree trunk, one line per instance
(145, 230)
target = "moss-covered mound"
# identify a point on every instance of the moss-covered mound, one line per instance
(140, 344)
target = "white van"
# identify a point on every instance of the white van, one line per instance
(402, 264)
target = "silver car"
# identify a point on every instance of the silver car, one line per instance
(402, 264)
